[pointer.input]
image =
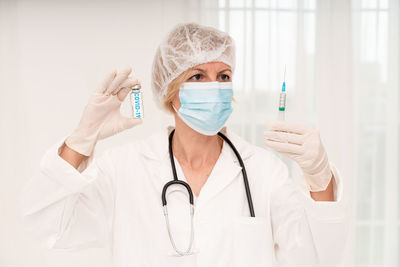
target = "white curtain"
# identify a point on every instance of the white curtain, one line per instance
(376, 75)
(342, 60)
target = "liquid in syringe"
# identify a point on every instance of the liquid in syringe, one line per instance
(282, 99)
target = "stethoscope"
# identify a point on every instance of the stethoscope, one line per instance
(188, 251)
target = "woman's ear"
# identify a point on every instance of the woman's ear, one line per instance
(176, 103)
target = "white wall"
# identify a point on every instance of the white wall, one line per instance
(52, 56)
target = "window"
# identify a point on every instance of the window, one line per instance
(272, 33)
(376, 69)
(269, 35)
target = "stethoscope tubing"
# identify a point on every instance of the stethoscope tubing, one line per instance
(244, 173)
(190, 192)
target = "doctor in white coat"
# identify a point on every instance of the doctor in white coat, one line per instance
(79, 200)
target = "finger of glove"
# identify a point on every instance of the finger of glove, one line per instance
(120, 78)
(101, 89)
(128, 82)
(284, 126)
(284, 137)
(285, 148)
(125, 87)
(122, 93)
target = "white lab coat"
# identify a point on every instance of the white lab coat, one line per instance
(116, 202)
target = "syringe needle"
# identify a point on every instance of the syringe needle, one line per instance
(284, 75)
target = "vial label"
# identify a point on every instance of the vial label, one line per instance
(137, 104)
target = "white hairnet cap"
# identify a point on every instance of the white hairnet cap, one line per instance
(186, 46)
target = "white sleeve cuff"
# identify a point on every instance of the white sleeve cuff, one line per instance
(53, 166)
(327, 210)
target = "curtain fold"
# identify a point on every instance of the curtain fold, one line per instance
(342, 60)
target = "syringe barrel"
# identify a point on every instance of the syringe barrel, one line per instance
(282, 101)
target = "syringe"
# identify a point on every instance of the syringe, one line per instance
(282, 99)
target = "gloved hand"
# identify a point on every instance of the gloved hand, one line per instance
(303, 145)
(101, 117)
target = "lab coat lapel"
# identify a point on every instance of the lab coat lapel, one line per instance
(223, 173)
(226, 170)
(156, 153)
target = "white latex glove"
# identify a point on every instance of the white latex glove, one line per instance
(101, 117)
(302, 144)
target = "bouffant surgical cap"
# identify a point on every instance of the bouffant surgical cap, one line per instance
(186, 46)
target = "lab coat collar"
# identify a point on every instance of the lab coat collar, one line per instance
(225, 171)
(157, 147)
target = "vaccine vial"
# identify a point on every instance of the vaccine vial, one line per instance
(136, 99)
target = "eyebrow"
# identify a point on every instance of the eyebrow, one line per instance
(203, 71)
(225, 70)
(199, 70)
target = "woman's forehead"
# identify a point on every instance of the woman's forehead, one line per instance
(218, 66)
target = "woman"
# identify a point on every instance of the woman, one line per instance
(114, 200)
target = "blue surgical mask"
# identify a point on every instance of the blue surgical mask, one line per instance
(205, 106)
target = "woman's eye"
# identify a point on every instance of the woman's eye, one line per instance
(196, 77)
(225, 77)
